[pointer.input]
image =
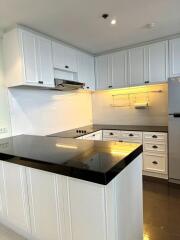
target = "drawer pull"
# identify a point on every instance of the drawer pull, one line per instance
(155, 162)
(131, 135)
(66, 66)
(93, 135)
(40, 82)
(155, 147)
(120, 140)
(110, 86)
(111, 133)
(154, 136)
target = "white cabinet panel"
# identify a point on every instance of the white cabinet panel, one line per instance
(93, 136)
(15, 196)
(155, 163)
(119, 69)
(43, 200)
(64, 57)
(102, 72)
(45, 64)
(157, 62)
(136, 66)
(87, 206)
(86, 70)
(31, 60)
(29, 52)
(155, 137)
(174, 53)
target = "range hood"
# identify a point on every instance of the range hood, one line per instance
(67, 85)
(66, 80)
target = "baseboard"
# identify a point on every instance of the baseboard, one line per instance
(155, 179)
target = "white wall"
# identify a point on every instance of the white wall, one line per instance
(43, 112)
(156, 114)
(4, 107)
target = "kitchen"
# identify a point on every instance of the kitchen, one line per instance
(84, 119)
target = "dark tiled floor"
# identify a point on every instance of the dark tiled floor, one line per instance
(161, 211)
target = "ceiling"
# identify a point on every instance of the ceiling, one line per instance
(79, 22)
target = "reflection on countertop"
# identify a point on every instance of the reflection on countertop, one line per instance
(95, 161)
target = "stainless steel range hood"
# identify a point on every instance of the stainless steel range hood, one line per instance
(67, 85)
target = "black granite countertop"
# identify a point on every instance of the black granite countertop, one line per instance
(94, 161)
(77, 132)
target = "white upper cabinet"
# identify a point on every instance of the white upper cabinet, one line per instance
(174, 54)
(64, 58)
(28, 59)
(46, 73)
(136, 66)
(30, 56)
(118, 67)
(102, 72)
(157, 62)
(86, 70)
(111, 70)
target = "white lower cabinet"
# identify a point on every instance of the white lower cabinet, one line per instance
(155, 154)
(65, 208)
(44, 204)
(155, 163)
(14, 196)
(155, 157)
(91, 223)
(93, 136)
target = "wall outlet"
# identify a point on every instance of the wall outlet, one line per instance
(3, 130)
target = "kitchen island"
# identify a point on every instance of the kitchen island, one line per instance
(68, 189)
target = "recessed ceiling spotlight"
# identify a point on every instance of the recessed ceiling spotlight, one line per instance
(113, 21)
(105, 15)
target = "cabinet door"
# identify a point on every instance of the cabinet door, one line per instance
(86, 70)
(118, 66)
(174, 57)
(45, 65)
(136, 64)
(102, 72)
(87, 210)
(64, 57)
(157, 62)
(29, 54)
(44, 207)
(15, 195)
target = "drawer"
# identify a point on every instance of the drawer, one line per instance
(132, 140)
(131, 135)
(155, 163)
(113, 134)
(93, 136)
(154, 137)
(155, 147)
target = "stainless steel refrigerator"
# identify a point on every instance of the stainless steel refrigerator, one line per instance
(174, 129)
